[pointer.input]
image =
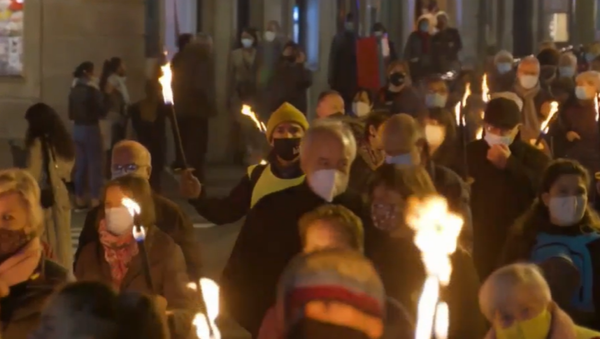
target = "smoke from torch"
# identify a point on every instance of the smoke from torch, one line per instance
(436, 234)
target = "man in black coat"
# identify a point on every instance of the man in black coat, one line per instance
(505, 172)
(270, 237)
(446, 45)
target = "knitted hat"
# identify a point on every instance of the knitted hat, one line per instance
(344, 277)
(502, 113)
(285, 113)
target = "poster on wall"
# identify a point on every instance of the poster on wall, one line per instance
(11, 37)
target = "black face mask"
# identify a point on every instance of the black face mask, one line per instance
(313, 329)
(287, 149)
(11, 241)
(289, 58)
(397, 79)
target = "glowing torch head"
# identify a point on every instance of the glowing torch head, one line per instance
(165, 83)
(139, 234)
(204, 323)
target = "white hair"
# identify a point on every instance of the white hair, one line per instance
(332, 127)
(530, 60)
(503, 56)
(497, 290)
(567, 59)
(135, 147)
(591, 76)
(510, 96)
(15, 180)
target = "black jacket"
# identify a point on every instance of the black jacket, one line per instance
(87, 104)
(289, 84)
(267, 241)
(402, 271)
(169, 219)
(499, 197)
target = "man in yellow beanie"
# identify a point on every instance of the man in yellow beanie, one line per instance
(281, 170)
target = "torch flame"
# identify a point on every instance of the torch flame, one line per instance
(436, 234)
(597, 108)
(139, 233)
(165, 83)
(210, 294)
(247, 111)
(479, 133)
(461, 106)
(485, 91)
(442, 321)
(553, 109)
(263, 162)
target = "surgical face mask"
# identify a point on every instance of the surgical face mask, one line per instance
(378, 34)
(566, 211)
(566, 71)
(287, 149)
(118, 220)
(247, 43)
(528, 81)
(424, 27)
(269, 36)
(405, 160)
(435, 100)
(328, 183)
(504, 67)
(435, 135)
(361, 109)
(583, 93)
(493, 139)
(397, 79)
(534, 328)
(349, 26)
(589, 57)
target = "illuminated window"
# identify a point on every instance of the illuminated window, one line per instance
(296, 18)
(11, 37)
(559, 27)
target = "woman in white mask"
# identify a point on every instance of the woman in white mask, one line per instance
(442, 138)
(561, 225)
(118, 260)
(363, 103)
(580, 123)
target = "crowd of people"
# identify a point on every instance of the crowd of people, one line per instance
(325, 250)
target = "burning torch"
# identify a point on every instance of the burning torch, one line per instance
(206, 327)
(167, 92)
(436, 234)
(139, 234)
(550, 119)
(262, 128)
(461, 122)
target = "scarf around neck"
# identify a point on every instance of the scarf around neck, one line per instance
(530, 117)
(20, 266)
(119, 250)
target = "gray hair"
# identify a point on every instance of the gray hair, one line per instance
(530, 60)
(204, 38)
(591, 76)
(329, 126)
(136, 148)
(496, 290)
(503, 56)
(15, 180)
(567, 59)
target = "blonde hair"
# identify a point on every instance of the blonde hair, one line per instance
(138, 150)
(500, 285)
(530, 60)
(591, 76)
(20, 181)
(331, 127)
(343, 221)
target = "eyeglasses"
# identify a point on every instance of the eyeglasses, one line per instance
(128, 168)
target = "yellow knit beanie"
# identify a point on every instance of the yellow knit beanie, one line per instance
(285, 113)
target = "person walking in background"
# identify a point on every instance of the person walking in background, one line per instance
(386, 50)
(27, 277)
(290, 81)
(243, 68)
(343, 76)
(399, 95)
(194, 96)
(113, 82)
(419, 50)
(446, 45)
(50, 161)
(502, 77)
(269, 56)
(148, 119)
(87, 106)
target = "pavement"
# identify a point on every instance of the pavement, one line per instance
(215, 242)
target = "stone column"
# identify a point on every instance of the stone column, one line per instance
(585, 16)
(392, 16)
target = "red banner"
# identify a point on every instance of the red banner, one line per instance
(367, 63)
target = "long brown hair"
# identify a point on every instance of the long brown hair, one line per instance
(413, 181)
(138, 189)
(525, 230)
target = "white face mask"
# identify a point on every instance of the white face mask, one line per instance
(566, 211)
(247, 43)
(361, 109)
(584, 92)
(435, 135)
(269, 36)
(528, 81)
(328, 183)
(405, 160)
(118, 220)
(493, 139)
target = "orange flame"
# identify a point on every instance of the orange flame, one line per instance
(485, 91)
(457, 108)
(165, 83)
(247, 111)
(204, 323)
(553, 110)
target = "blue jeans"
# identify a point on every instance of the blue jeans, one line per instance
(88, 160)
